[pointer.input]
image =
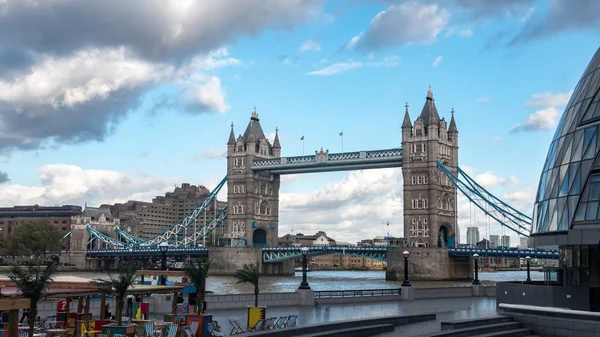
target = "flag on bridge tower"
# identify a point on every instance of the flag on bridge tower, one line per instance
(302, 138)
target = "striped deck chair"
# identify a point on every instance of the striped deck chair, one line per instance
(281, 322)
(118, 335)
(257, 326)
(237, 329)
(214, 332)
(102, 335)
(291, 322)
(150, 331)
(23, 334)
(194, 327)
(172, 330)
(270, 323)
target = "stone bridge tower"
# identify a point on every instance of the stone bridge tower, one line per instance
(252, 197)
(430, 210)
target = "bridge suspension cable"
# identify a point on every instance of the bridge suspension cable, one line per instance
(489, 204)
(171, 234)
(188, 220)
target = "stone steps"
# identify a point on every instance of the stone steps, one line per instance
(467, 323)
(478, 330)
(363, 331)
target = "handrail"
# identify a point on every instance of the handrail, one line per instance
(357, 293)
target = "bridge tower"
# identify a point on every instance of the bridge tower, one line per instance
(429, 197)
(252, 197)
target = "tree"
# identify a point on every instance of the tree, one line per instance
(119, 284)
(249, 274)
(39, 237)
(12, 247)
(197, 272)
(32, 281)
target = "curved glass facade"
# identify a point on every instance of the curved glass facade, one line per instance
(573, 164)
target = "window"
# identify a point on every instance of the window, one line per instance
(420, 203)
(418, 132)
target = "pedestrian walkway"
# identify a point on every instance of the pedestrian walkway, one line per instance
(450, 308)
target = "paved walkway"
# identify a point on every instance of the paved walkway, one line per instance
(451, 308)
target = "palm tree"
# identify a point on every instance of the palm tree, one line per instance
(249, 274)
(32, 281)
(119, 284)
(197, 271)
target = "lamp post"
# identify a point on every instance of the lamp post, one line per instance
(406, 282)
(476, 280)
(164, 247)
(528, 258)
(304, 284)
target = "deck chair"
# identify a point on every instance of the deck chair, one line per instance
(280, 324)
(214, 332)
(46, 325)
(102, 335)
(23, 334)
(88, 329)
(150, 330)
(194, 327)
(291, 322)
(172, 330)
(187, 332)
(258, 326)
(237, 329)
(270, 323)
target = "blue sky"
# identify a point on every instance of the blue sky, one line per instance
(104, 114)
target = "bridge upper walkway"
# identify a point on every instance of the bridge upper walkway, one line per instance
(324, 161)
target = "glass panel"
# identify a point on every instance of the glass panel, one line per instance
(586, 166)
(597, 112)
(572, 172)
(564, 222)
(578, 152)
(589, 113)
(587, 138)
(555, 183)
(567, 155)
(580, 216)
(554, 219)
(543, 186)
(594, 194)
(572, 207)
(564, 187)
(592, 211)
(591, 151)
(576, 186)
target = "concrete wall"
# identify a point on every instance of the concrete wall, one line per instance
(427, 264)
(225, 261)
(576, 298)
(551, 322)
(238, 301)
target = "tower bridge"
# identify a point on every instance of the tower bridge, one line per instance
(428, 157)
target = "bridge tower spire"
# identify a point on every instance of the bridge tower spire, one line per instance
(429, 197)
(252, 197)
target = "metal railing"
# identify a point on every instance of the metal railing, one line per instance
(357, 293)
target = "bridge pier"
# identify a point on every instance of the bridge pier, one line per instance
(225, 261)
(431, 264)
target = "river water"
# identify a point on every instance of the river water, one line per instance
(334, 280)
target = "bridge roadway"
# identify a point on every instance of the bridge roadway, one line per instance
(277, 254)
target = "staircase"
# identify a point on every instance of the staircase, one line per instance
(499, 326)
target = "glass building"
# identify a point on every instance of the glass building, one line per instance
(567, 207)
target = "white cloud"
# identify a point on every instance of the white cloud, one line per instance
(336, 68)
(408, 23)
(549, 99)
(70, 184)
(484, 99)
(87, 75)
(437, 61)
(544, 119)
(210, 95)
(488, 180)
(348, 210)
(496, 138)
(310, 45)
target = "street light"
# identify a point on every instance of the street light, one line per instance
(406, 283)
(164, 247)
(304, 284)
(476, 280)
(528, 258)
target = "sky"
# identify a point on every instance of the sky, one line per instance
(108, 101)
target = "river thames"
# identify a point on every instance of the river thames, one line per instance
(334, 280)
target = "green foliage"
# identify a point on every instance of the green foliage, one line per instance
(32, 281)
(249, 274)
(38, 237)
(12, 247)
(197, 272)
(118, 284)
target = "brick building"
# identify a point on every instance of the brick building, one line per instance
(57, 216)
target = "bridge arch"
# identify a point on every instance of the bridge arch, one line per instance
(259, 238)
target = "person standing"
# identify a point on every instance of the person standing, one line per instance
(130, 306)
(25, 315)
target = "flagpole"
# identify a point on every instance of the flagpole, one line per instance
(342, 135)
